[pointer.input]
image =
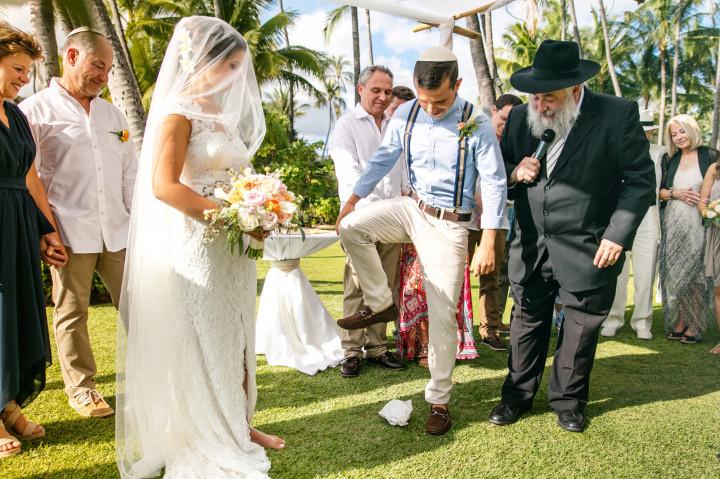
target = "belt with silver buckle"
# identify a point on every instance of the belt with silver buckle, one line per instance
(440, 213)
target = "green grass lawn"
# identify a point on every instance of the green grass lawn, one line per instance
(654, 412)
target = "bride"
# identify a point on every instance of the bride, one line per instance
(186, 358)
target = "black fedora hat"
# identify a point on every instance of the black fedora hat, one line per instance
(556, 65)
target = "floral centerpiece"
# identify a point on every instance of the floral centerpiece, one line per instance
(711, 215)
(252, 204)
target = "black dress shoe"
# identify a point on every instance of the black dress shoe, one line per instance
(350, 367)
(573, 421)
(387, 360)
(505, 413)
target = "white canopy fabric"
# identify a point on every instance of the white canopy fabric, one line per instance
(441, 13)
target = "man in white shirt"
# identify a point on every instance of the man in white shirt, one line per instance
(643, 255)
(88, 166)
(355, 138)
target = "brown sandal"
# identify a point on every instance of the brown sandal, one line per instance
(31, 430)
(423, 356)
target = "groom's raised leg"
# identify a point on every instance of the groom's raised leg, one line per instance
(385, 221)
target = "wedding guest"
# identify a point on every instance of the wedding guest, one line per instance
(352, 143)
(445, 161)
(27, 234)
(414, 337)
(685, 289)
(575, 213)
(400, 94)
(493, 288)
(644, 258)
(87, 165)
(710, 191)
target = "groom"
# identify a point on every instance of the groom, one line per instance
(446, 150)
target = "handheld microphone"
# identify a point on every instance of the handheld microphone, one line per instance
(546, 140)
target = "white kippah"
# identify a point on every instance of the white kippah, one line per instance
(437, 54)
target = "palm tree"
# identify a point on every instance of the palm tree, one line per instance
(519, 49)
(42, 20)
(490, 50)
(279, 100)
(683, 10)
(657, 15)
(334, 17)
(576, 29)
(154, 21)
(123, 85)
(608, 52)
(335, 83)
(482, 70)
(370, 42)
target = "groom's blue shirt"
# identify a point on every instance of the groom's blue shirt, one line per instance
(434, 155)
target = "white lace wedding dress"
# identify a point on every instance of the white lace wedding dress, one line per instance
(210, 340)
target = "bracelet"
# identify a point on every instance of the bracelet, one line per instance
(671, 194)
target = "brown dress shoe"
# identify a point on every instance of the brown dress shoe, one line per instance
(438, 422)
(365, 317)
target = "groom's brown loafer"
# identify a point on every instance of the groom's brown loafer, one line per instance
(438, 422)
(365, 317)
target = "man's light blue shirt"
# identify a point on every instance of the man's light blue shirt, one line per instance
(434, 158)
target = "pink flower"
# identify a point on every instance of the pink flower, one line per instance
(255, 198)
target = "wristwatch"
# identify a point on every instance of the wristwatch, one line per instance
(671, 194)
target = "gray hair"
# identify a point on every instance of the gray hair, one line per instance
(83, 39)
(367, 72)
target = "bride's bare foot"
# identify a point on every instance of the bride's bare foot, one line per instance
(266, 440)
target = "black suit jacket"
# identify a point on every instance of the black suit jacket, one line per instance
(601, 187)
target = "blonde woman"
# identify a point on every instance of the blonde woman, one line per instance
(710, 191)
(685, 291)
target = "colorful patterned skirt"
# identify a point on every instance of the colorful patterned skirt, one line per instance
(414, 309)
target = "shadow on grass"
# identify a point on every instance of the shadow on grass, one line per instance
(106, 470)
(103, 379)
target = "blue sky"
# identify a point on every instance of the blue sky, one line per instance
(394, 43)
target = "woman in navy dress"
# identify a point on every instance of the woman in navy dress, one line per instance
(27, 234)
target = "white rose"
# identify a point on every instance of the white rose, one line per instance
(287, 207)
(249, 222)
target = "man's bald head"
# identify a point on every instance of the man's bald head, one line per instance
(87, 61)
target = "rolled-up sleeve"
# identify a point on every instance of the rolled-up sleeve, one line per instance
(383, 160)
(492, 178)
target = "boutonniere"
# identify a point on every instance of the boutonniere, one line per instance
(466, 128)
(123, 135)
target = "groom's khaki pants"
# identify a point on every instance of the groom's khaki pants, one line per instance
(442, 248)
(71, 294)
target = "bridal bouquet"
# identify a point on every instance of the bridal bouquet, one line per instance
(250, 203)
(711, 216)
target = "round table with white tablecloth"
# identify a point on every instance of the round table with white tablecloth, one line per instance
(293, 327)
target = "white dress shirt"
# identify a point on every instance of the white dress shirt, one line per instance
(352, 143)
(87, 171)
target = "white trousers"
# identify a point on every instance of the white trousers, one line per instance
(442, 249)
(644, 264)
